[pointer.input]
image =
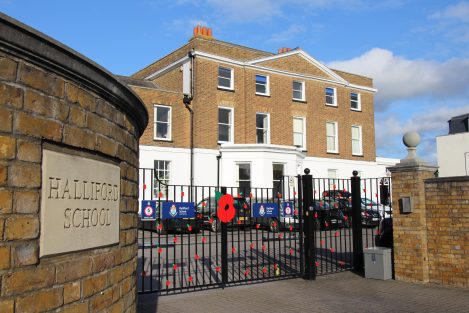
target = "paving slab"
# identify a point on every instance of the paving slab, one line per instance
(342, 292)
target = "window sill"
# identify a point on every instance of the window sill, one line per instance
(333, 152)
(332, 105)
(263, 94)
(358, 155)
(225, 89)
(223, 142)
(162, 140)
(355, 110)
(298, 100)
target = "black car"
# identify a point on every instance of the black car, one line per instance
(274, 224)
(208, 209)
(162, 226)
(336, 194)
(370, 217)
(327, 215)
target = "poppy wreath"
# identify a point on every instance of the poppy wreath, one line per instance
(226, 211)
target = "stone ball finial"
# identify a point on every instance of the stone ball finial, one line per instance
(307, 171)
(355, 173)
(411, 139)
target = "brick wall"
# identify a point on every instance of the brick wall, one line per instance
(431, 243)
(447, 204)
(200, 43)
(37, 108)
(181, 119)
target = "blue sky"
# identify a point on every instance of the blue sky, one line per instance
(416, 51)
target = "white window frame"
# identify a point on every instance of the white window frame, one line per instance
(332, 180)
(334, 104)
(268, 128)
(303, 147)
(170, 116)
(360, 140)
(250, 173)
(166, 181)
(303, 91)
(359, 101)
(274, 181)
(336, 137)
(231, 125)
(231, 78)
(267, 85)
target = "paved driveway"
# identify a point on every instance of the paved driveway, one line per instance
(343, 292)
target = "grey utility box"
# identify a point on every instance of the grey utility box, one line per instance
(378, 263)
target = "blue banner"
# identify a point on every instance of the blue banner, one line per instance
(287, 209)
(265, 210)
(148, 210)
(178, 210)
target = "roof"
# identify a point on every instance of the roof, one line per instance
(459, 124)
(245, 56)
(130, 81)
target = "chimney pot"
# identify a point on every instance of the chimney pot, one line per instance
(209, 32)
(199, 30)
(204, 30)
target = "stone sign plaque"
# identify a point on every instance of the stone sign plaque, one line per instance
(79, 203)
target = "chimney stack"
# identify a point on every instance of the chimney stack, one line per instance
(205, 32)
(283, 50)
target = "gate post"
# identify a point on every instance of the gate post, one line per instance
(357, 224)
(309, 231)
(224, 249)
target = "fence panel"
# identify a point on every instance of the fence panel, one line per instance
(180, 254)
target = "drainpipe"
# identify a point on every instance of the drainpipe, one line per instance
(218, 170)
(187, 100)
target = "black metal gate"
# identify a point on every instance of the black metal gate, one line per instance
(346, 216)
(177, 255)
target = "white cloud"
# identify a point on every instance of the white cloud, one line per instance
(398, 78)
(246, 10)
(184, 25)
(287, 34)
(458, 11)
(452, 22)
(428, 123)
(264, 10)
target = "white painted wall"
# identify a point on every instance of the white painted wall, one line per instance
(260, 157)
(453, 154)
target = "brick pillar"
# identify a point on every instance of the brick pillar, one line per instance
(410, 229)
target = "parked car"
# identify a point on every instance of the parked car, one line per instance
(162, 226)
(329, 215)
(274, 224)
(208, 209)
(369, 216)
(336, 194)
(384, 210)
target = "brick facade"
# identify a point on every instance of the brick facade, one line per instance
(245, 102)
(40, 107)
